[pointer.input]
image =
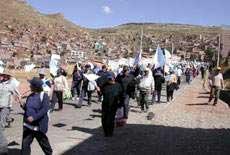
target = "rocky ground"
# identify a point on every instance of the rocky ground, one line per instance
(188, 125)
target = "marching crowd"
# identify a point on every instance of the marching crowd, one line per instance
(113, 88)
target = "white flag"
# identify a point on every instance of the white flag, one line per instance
(91, 77)
(168, 57)
(159, 58)
(54, 64)
(138, 58)
(1, 67)
(29, 68)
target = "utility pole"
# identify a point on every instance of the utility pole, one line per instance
(218, 55)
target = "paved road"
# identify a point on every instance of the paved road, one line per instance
(186, 126)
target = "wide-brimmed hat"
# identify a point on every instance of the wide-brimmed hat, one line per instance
(6, 73)
(218, 68)
(36, 82)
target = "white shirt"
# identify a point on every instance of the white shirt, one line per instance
(217, 80)
(179, 72)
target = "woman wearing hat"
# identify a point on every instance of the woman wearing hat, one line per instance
(35, 124)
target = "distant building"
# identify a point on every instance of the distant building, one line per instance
(225, 38)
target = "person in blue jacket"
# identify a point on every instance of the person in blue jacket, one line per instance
(35, 123)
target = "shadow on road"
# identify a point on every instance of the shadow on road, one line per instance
(205, 93)
(203, 97)
(197, 104)
(153, 139)
(225, 96)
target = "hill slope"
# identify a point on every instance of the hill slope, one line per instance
(26, 33)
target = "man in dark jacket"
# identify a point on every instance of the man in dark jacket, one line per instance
(36, 119)
(159, 79)
(112, 96)
(102, 80)
(76, 83)
(127, 82)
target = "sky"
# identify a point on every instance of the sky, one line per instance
(109, 13)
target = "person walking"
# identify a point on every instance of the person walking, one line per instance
(35, 120)
(171, 85)
(7, 90)
(127, 82)
(60, 84)
(179, 74)
(188, 75)
(112, 99)
(146, 88)
(202, 70)
(217, 85)
(206, 75)
(101, 80)
(159, 79)
(77, 77)
(89, 85)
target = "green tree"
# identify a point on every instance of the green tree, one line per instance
(210, 53)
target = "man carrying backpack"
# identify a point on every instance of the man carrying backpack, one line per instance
(35, 124)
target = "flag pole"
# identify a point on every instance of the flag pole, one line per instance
(218, 55)
(141, 45)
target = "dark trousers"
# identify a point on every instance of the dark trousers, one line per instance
(76, 88)
(169, 93)
(126, 106)
(29, 135)
(144, 100)
(188, 79)
(99, 96)
(178, 80)
(83, 94)
(158, 93)
(89, 95)
(215, 93)
(57, 97)
(108, 118)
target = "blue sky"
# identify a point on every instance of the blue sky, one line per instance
(108, 13)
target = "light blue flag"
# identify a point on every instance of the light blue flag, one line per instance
(159, 58)
(138, 58)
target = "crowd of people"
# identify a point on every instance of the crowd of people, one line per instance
(114, 88)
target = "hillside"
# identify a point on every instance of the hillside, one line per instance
(185, 38)
(26, 33)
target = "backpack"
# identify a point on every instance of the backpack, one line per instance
(41, 98)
